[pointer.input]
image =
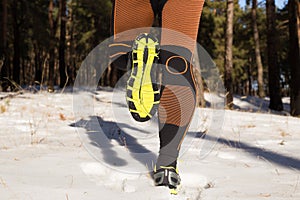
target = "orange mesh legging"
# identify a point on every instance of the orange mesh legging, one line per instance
(178, 15)
(130, 15)
(178, 99)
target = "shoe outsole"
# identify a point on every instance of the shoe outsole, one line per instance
(142, 91)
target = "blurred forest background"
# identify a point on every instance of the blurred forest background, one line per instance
(256, 47)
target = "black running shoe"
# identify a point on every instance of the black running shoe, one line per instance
(166, 176)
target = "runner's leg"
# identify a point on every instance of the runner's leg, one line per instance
(128, 15)
(178, 99)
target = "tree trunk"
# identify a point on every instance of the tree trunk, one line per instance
(37, 63)
(53, 27)
(71, 60)
(260, 69)
(294, 55)
(62, 44)
(16, 43)
(3, 27)
(197, 74)
(3, 47)
(249, 81)
(114, 77)
(274, 71)
(228, 54)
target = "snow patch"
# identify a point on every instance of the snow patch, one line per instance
(262, 143)
(193, 179)
(94, 169)
(61, 168)
(226, 156)
(128, 188)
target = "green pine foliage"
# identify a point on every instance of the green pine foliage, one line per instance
(88, 24)
(211, 37)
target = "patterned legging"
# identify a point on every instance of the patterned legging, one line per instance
(178, 97)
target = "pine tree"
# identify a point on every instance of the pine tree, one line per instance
(3, 48)
(62, 44)
(274, 71)
(260, 70)
(16, 43)
(228, 53)
(53, 20)
(294, 55)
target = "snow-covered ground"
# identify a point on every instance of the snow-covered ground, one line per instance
(50, 149)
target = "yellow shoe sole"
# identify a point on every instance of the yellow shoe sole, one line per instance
(142, 91)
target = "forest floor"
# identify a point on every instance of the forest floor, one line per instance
(52, 148)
